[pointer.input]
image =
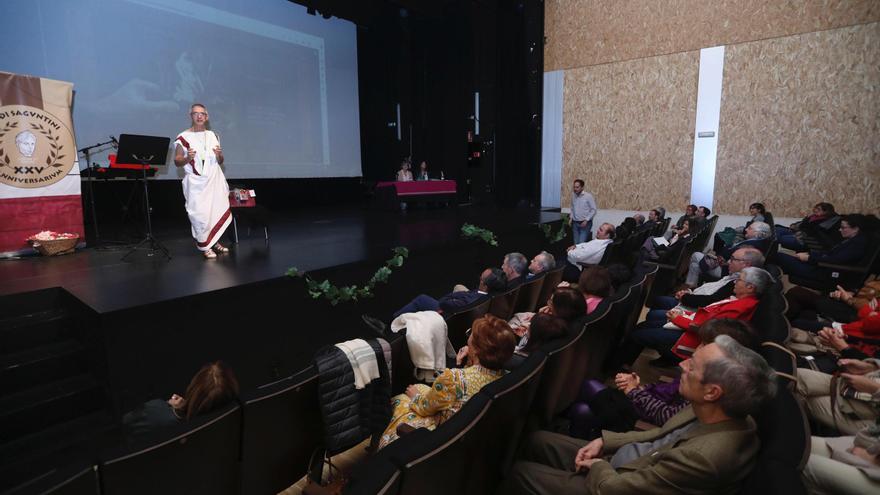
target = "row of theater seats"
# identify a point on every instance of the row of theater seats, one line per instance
(264, 443)
(472, 452)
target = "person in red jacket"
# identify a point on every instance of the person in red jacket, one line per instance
(677, 339)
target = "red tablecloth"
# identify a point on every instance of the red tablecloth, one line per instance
(422, 187)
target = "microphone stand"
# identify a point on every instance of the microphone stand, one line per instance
(87, 151)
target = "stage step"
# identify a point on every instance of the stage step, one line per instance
(41, 407)
(33, 329)
(77, 441)
(29, 368)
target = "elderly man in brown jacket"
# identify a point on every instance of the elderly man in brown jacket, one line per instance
(707, 448)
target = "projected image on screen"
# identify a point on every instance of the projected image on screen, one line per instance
(280, 85)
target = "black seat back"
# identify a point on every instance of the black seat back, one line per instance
(276, 446)
(551, 280)
(527, 300)
(200, 457)
(502, 304)
(458, 323)
(785, 446)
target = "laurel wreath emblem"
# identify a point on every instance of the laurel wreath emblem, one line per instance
(53, 160)
(4, 158)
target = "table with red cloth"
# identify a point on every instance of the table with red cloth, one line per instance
(392, 193)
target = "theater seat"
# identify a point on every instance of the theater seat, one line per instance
(199, 456)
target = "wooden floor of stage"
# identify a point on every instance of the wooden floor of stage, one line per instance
(307, 239)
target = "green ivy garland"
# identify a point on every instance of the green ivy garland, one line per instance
(559, 234)
(336, 294)
(469, 231)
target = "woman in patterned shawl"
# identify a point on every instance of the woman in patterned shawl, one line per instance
(490, 345)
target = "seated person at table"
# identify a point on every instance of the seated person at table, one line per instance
(707, 448)
(712, 264)
(404, 174)
(490, 345)
(676, 338)
(492, 280)
(213, 387)
(854, 229)
(423, 171)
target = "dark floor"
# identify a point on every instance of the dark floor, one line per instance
(307, 239)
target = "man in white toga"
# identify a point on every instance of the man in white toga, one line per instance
(198, 151)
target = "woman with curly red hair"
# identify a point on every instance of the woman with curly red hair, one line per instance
(490, 345)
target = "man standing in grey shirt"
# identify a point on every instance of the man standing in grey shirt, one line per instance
(583, 209)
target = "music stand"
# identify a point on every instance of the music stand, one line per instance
(145, 150)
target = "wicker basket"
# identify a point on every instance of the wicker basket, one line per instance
(55, 247)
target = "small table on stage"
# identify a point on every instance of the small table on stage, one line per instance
(248, 209)
(391, 194)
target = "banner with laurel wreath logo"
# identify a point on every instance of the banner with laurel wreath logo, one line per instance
(36, 148)
(39, 172)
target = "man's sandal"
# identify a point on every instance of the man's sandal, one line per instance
(209, 255)
(220, 248)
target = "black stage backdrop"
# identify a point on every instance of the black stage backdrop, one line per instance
(430, 57)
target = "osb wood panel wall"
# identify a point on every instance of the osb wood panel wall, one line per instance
(800, 123)
(589, 32)
(629, 131)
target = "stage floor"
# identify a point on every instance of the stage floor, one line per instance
(307, 239)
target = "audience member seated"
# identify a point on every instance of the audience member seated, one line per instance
(856, 395)
(712, 264)
(853, 230)
(213, 387)
(651, 250)
(839, 305)
(492, 281)
(566, 303)
(822, 219)
(844, 465)
(626, 228)
(709, 292)
(516, 267)
(653, 220)
(811, 337)
(543, 328)
(588, 253)
(640, 221)
(707, 448)
(675, 339)
(542, 262)
(599, 407)
(733, 235)
(690, 213)
(595, 284)
(490, 345)
(701, 218)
